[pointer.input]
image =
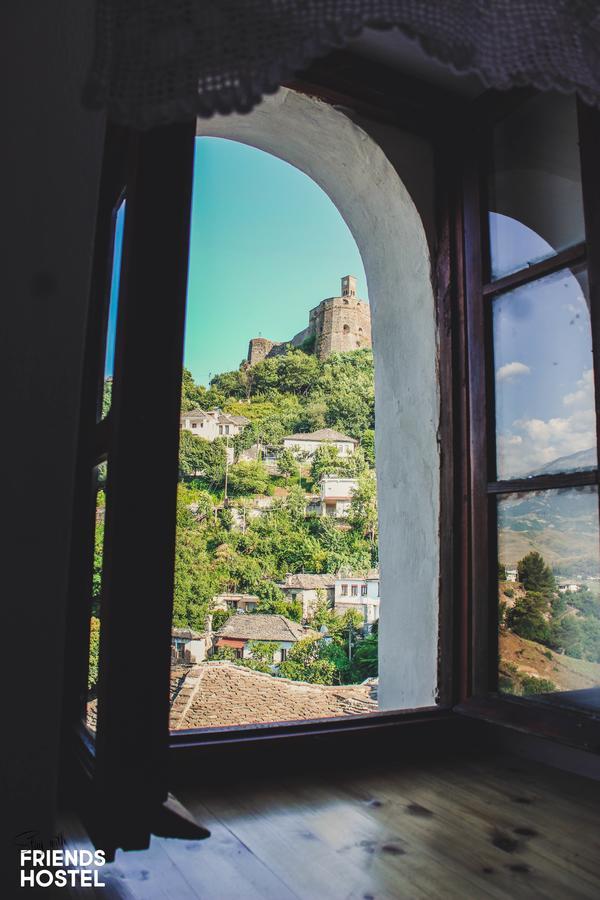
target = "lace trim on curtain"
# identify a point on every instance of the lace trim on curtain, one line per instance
(160, 61)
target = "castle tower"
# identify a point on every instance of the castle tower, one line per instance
(348, 286)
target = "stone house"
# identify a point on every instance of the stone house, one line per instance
(308, 443)
(241, 602)
(335, 494)
(240, 630)
(212, 423)
(359, 592)
(306, 588)
(188, 646)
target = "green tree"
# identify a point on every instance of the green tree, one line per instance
(287, 464)
(309, 661)
(193, 396)
(326, 461)
(501, 572)
(249, 477)
(535, 575)
(198, 456)
(366, 658)
(527, 617)
(363, 506)
(261, 655)
(367, 443)
(94, 652)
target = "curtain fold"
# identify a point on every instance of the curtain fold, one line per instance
(160, 61)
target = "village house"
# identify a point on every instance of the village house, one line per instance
(511, 575)
(335, 495)
(188, 646)
(307, 587)
(240, 630)
(306, 445)
(359, 592)
(569, 587)
(213, 423)
(241, 602)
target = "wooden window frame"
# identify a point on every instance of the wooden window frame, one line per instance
(481, 698)
(136, 758)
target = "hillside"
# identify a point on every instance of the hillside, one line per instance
(531, 658)
(561, 525)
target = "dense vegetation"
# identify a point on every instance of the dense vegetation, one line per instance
(222, 548)
(564, 623)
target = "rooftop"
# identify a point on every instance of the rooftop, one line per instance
(370, 575)
(186, 634)
(221, 694)
(308, 581)
(215, 415)
(323, 434)
(262, 627)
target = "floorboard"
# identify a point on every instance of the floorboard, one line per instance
(470, 828)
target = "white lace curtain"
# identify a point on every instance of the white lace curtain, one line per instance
(160, 61)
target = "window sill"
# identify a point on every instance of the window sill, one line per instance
(551, 720)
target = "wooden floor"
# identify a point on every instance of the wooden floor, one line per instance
(497, 827)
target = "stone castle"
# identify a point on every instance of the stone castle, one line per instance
(336, 325)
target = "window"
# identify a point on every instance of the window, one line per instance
(283, 654)
(536, 467)
(194, 425)
(363, 590)
(354, 590)
(344, 590)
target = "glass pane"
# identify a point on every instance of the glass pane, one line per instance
(111, 332)
(94, 645)
(535, 200)
(549, 595)
(276, 601)
(544, 382)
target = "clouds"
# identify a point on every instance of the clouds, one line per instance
(511, 371)
(532, 443)
(583, 395)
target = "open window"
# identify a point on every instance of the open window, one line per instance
(532, 309)
(508, 306)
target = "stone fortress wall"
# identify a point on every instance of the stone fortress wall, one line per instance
(337, 325)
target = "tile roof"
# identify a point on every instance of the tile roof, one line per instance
(195, 414)
(369, 575)
(186, 633)
(324, 434)
(262, 627)
(222, 694)
(215, 416)
(232, 420)
(308, 581)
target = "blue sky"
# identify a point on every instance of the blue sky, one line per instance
(267, 244)
(542, 358)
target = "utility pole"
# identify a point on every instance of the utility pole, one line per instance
(226, 468)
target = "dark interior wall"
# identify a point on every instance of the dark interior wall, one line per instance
(51, 156)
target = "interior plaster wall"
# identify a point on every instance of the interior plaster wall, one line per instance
(389, 230)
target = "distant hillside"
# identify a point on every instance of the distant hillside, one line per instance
(562, 525)
(574, 462)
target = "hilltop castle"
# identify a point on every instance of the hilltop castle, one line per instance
(336, 325)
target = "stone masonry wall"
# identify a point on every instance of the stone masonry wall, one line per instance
(339, 324)
(342, 324)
